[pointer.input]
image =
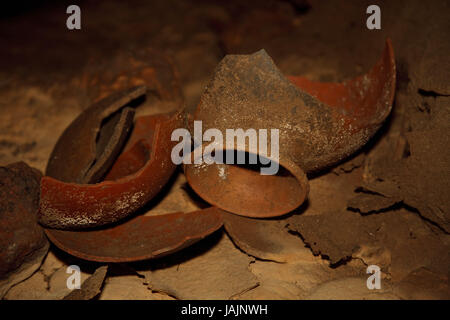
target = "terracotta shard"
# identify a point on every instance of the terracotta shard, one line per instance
(91, 287)
(319, 125)
(77, 150)
(139, 172)
(363, 102)
(70, 205)
(112, 138)
(266, 239)
(140, 238)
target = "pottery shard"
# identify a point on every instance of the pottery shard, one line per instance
(91, 287)
(91, 143)
(264, 239)
(22, 240)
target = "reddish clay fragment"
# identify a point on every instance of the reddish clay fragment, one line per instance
(142, 237)
(362, 102)
(112, 138)
(266, 239)
(319, 125)
(77, 151)
(70, 205)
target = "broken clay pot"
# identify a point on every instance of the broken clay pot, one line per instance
(91, 143)
(139, 172)
(140, 238)
(148, 166)
(319, 125)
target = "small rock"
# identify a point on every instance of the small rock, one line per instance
(23, 243)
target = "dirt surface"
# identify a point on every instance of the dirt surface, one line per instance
(387, 205)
